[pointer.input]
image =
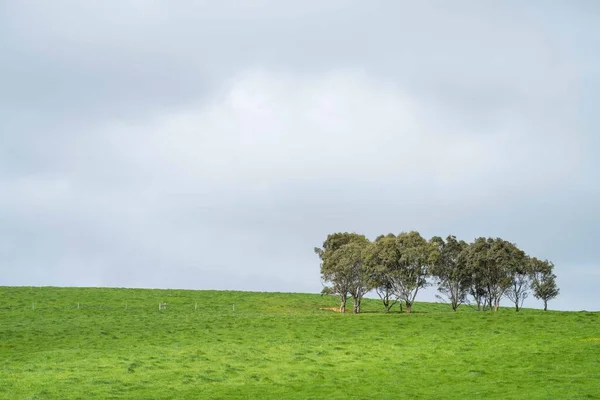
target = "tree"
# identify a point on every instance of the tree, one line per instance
(398, 267)
(491, 261)
(412, 272)
(519, 287)
(449, 268)
(477, 261)
(339, 266)
(350, 257)
(543, 281)
(475, 277)
(382, 258)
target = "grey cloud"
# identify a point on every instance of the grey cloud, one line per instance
(214, 145)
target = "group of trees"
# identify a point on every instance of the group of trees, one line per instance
(397, 267)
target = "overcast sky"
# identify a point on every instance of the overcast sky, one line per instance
(213, 144)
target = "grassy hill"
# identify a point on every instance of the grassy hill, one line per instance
(116, 343)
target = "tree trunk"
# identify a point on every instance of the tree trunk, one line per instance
(545, 305)
(356, 305)
(343, 305)
(401, 310)
(485, 301)
(496, 304)
(386, 304)
(408, 307)
(454, 303)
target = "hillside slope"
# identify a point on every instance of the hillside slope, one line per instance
(102, 343)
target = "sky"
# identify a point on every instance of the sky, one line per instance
(213, 145)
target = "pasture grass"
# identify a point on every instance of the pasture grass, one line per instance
(117, 344)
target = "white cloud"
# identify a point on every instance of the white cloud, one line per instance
(270, 129)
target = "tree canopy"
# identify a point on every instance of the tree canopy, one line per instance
(397, 267)
(449, 269)
(342, 267)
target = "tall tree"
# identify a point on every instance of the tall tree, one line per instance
(478, 261)
(382, 259)
(493, 259)
(520, 282)
(338, 271)
(476, 275)
(413, 270)
(543, 281)
(350, 257)
(449, 267)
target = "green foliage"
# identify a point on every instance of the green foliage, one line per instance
(397, 267)
(449, 267)
(382, 259)
(492, 262)
(350, 259)
(415, 256)
(278, 345)
(342, 267)
(336, 240)
(520, 284)
(543, 281)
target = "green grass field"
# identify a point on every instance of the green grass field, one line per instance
(117, 344)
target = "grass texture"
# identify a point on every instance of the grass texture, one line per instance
(82, 343)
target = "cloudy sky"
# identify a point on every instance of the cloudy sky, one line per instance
(213, 144)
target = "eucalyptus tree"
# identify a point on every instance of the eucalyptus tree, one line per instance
(543, 281)
(475, 277)
(478, 261)
(449, 268)
(350, 257)
(412, 272)
(520, 283)
(382, 261)
(342, 269)
(513, 261)
(492, 260)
